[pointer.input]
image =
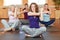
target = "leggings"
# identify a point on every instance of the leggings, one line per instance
(48, 23)
(7, 25)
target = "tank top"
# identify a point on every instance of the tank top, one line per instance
(34, 22)
(46, 17)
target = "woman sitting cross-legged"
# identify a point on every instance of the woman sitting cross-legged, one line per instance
(33, 29)
(45, 15)
(13, 22)
(25, 9)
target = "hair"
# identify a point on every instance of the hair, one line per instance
(45, 4)
(36, 7)
(9, 8)
(26, 4)
(47, 8)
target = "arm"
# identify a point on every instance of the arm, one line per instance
(23, 10)
(15, 14)
(41, 16)
(20, 12)
(33, 14)
(48, 12)
(11, 14)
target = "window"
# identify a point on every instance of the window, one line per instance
(39, 2)
(12, 2)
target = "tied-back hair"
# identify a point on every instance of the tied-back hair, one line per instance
(36, 7)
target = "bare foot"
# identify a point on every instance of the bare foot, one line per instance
(8, 29)
(2, 32)
(13, 29)
(27, 35)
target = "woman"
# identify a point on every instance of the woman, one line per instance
(46, 16)
(13, 22)
(25, 12)
(25, 9)
(33, 29)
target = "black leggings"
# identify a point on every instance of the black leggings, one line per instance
(48, 23)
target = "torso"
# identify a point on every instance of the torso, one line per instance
(34, 21)
(25, 15)
(12, 18)
(46, 16)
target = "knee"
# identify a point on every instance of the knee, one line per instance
(43, 29)
(23, 27)
(3, 20)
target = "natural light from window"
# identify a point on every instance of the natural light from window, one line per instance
(12, 2)
(39, 2)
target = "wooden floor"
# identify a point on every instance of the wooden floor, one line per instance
(51, 34)
(15, 36)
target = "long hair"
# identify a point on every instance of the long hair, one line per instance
(36, 7)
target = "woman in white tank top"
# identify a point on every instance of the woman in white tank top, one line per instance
(13, 22)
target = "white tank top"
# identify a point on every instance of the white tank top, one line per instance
(12, 18)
